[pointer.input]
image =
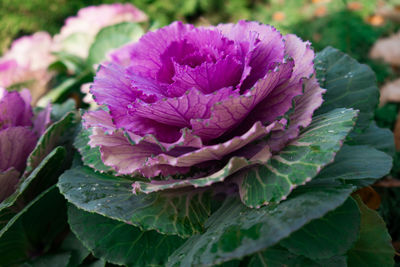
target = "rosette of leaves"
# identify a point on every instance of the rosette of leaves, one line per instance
(34, 148)
(218, 144)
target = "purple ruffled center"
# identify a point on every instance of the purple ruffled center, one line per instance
(176, 77)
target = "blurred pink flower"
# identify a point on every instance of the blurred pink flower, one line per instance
(26, 63)
(19, 132)
(90, 20)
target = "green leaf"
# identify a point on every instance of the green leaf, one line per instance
(180, 213)
(67, 63)
(299, 161)
(44, 176)
(91, 156)
(113, 37)
(235, 230)
(233, 165)
(373, 248)
(59, 110)
(120, 243)
(379, 138)
(53, 260)
(332, 235)
(31, 232)
(386, 116)
(74, 42)
(349, 84)
(98, 263)
(57, 93)
(358, 164)
(54, 135)
(279, 256)
(76, 249)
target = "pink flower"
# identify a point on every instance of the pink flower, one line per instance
(26, 63)
(89, 22)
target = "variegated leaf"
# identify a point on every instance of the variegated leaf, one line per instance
(299, 161)
(180, 213)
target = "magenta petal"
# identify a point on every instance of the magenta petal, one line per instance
(302, 55)
(227, 114)
(179, 111)
(280, 100)
(147, 89)
(187, 141)
(16, 143)
(305, 105)
(8, 182)
(111, 87)
(213, 152)
(145, 54)
(14, 111)
(263, 55)
(207, 76)
(101, 119)
(119, 153)
(98, 118)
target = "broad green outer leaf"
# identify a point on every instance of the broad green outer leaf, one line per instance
(113, 37)
(53, 260)
(373, 248)
(379, 138)
(349, 84)
(235, 230)
(77, 250)
(91, 156)
(121, 243)
(299, 161)
(37, 224)
(181, 213)
(358, 163)
(278, 256)
(53, 136)
(332, 235)
(67, 63)
(44, 176)
(98, 263)
(78, 39)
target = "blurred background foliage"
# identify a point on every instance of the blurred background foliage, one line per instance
(351, 26)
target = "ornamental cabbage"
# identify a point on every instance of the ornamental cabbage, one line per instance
(183, 100)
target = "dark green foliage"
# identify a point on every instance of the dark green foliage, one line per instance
(386, 116)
